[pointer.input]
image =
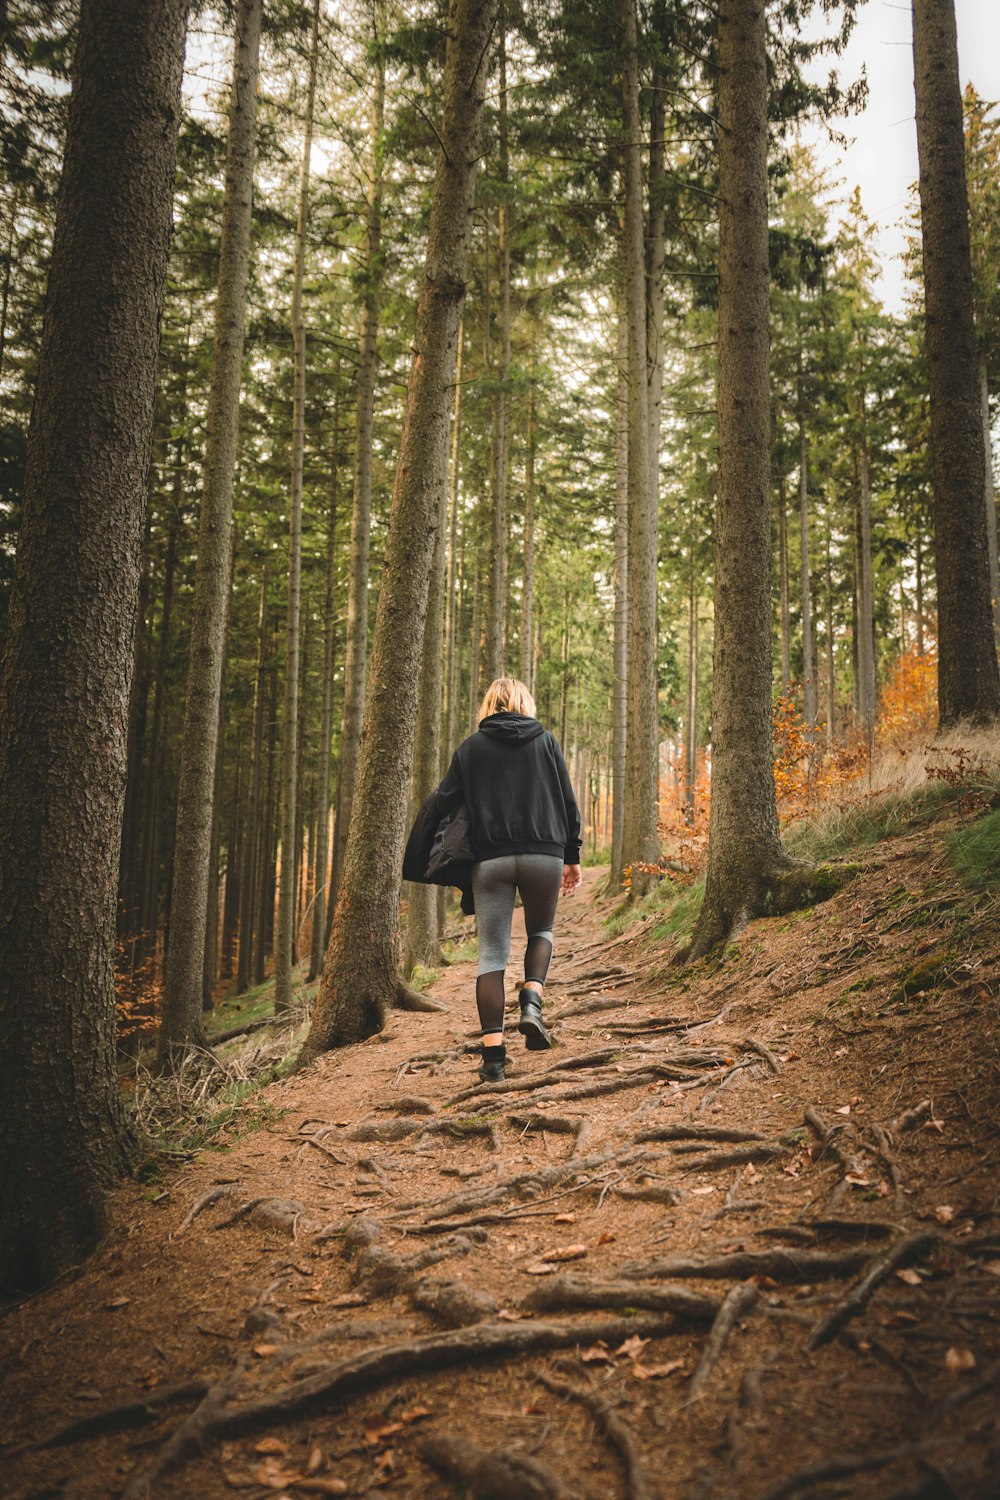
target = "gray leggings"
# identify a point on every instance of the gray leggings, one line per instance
(495, 882)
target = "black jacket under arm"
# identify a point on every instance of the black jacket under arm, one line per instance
(513, 780)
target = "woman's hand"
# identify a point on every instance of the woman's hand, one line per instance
(572, 878)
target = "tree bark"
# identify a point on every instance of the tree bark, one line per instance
(866, 635)
(451, 653)
(691, 717)
(619, 671)
(493, 663)
(326, 715)
(356, 647)
(181, 1025)
(786, 628)
(528, 553)
(968, 681)
(361, 975)
(808, 669)
(744, 849)
(989, 496)
(64, 689)
(640, 837)
(284, 955)
(252, 848)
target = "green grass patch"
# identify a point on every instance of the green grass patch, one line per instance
(422, 978)
(975, 851)
(459, 953)
(835, 831)
(595, 857)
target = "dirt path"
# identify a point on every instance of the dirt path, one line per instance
(737, 1235)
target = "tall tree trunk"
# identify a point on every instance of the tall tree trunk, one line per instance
(475, 652)
(361, 975)
(744, 849)
(284, 957)
(356, 648)
(786, 627)
(866, 635)
(619, 671)
(528, 585)
(968, 681)
(181, 1025)
(451, 654)
(691, 717)
(831, 682)
(493, 663)
(423, 935)
(326, 715)
(640, 836)
(920, 594)
(808, 670)
(64, 689)
(655, 256)
(252, 849)
(989, 495)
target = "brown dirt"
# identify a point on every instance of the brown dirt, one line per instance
(908, 1387)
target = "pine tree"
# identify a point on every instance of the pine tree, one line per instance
(68, 658)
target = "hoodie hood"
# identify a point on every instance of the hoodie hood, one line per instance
(511, 728)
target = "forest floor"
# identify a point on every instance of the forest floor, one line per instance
(737, 1235)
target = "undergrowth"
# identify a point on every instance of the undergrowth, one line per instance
(975, 850)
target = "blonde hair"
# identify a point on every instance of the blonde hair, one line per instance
(506, 693)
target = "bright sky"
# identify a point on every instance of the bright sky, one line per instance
(882, 157)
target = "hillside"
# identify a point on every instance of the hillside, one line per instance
(737, 1235)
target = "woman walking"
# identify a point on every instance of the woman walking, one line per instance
(523, 839)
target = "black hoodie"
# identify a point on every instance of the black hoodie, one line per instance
(512, 778)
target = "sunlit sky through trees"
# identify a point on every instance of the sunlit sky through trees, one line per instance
(881, 156)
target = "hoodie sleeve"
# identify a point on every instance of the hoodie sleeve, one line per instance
(571, 854)
(444, 800)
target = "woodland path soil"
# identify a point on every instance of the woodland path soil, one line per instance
(737, 1235)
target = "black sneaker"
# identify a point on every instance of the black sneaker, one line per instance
(491, 1067)
(531, 1026)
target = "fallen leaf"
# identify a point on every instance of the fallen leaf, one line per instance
(118, 1302)
(315, 1461)
(270, 1445)
(317, 1486)
(386, 1462)
(263, 1350)
(992, 1266)
(699, 1192)
(766, 1283)
(937, 1125)
(597, 1354)
(944, 1213)
(606, 1238)
(271, 1474)
(958, 1359)
(884, 1190)
(564, 1219)
(310, 1297)
(857, 1179)
(539, 1268)
(565, 1252)
(840, 1052)
(845, 1109)
(347, 1299)
(791, 1057)
(656, 1372)
(377, 1432)
(632, 1347)
(912, 1278)
(415, 1414)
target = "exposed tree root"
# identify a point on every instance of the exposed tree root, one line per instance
(614, 1429)
(697, 1133)
(910, 1247)
(737, 1302)
(218, 1417)
(214, 1195)
(781, 1264)
(839, 1468)
(754, 1044)
(189, 1437)
(122, 1417)
(412, 1000)
(573, 1291)
(497, 1475)
(452, 1303)
(714, 1161)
